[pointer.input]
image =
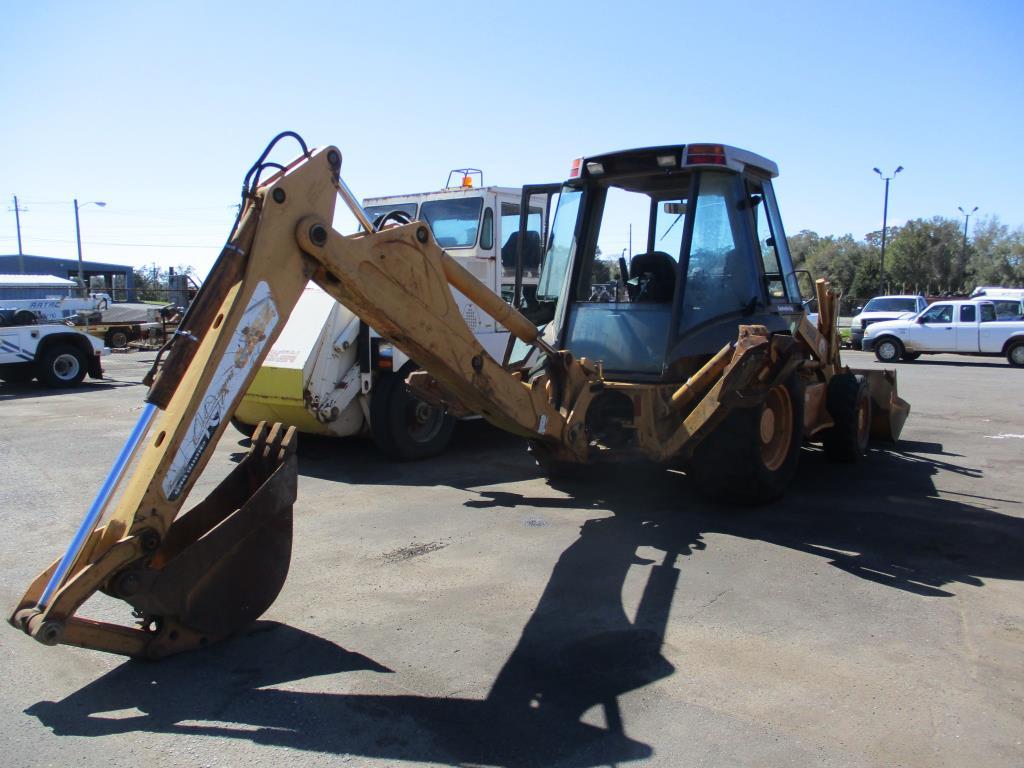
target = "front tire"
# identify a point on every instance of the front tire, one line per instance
(1015, 355)
(889, 350)
(849, 404)
(62, 365)
(751, 457)
(403, 426)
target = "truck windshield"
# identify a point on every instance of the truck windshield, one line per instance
(455, 223)
(373, 212)
(889, 304)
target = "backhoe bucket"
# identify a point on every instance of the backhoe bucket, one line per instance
(888, 410)
(224, 561)
(218, 568)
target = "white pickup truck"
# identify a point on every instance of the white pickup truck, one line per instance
(58, 355)
(963, 327)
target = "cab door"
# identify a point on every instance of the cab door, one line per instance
(967, 329)
(933, 331)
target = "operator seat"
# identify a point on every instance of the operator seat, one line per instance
(655, 273)
(531, 251)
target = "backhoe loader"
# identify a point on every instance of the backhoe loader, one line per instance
(700, 357)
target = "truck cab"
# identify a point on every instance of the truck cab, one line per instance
(480, 228)
(694, 237)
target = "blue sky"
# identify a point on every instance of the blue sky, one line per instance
(158, 110)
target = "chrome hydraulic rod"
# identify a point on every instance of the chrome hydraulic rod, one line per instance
(99, 504)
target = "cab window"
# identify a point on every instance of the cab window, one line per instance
(455, 223)
(939, 313)
(967, 314)
(718, 278)
(765, 238)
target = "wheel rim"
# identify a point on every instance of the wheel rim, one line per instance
(887, 350)
(423, 421)
(775, 428)
(119, 339)
(1017, 354)
(66, 366)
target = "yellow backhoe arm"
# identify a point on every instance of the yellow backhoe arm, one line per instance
(188, 588)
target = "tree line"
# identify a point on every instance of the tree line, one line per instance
(924, 256)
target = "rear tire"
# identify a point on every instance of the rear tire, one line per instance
(403, 426)
(751, 457)
(889, 349)
(849, 404)
(62, 365)
(1015, 355)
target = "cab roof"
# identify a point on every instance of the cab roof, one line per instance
(669, 158)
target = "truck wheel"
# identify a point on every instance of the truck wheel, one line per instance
(25, 317)
(117, 339)
(888, 349)
(62, 365)
(751, 457)
(849, 404)
(403, 426)
(1015, 355)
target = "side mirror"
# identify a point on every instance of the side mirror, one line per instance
(920, 319)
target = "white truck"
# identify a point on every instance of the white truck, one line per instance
(970, 327)
(55, 307)
(58, 355)
(330, 374)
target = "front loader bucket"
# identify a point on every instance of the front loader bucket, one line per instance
(888, 410)
(219, 567)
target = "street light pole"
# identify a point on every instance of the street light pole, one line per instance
(78, 238)
(963, 252)
(885, 217)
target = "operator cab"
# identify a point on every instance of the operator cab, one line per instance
(656, 255)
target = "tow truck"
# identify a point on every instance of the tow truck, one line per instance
(706, 361)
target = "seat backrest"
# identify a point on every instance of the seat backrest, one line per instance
(656, 272)
(508, 251)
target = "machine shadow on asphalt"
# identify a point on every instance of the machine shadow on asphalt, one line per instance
(579, 651)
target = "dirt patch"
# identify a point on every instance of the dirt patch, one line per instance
(411, 551)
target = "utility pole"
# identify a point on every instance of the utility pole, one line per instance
(83, 288)
(17, 222)
(963, 252)
(885, 216)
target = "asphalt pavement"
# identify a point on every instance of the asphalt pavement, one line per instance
(464, 611)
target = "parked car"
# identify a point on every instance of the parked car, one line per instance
(968, 327)
(882, 308)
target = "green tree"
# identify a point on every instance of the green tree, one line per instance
(996, 255)
(925, 257)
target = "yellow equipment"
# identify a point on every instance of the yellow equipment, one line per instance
(701, 356)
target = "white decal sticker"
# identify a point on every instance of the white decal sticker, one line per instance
(247, 342)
